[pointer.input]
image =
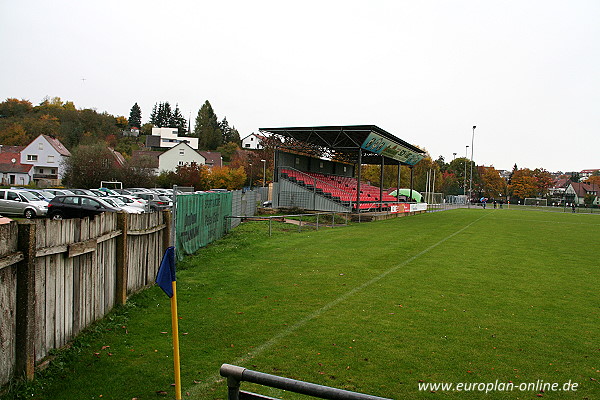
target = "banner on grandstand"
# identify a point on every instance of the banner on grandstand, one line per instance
(201, 219)
(385, 147)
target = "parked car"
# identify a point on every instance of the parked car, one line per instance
(41, 194)
(99, 193)
(21, 203)
(116, 203)
(132, 201)
(85, 192)
(77, 206)
(59, 192)
(123, 191)
(156, 202)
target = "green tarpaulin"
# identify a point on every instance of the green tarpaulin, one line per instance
(201, 219)
(406, 192)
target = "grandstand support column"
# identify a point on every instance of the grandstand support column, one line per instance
(381, 184)
(358, 180)
(398, 184)
(411, 182)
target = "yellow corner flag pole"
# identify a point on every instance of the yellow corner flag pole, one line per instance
(175, 327)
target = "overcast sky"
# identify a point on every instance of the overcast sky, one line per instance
(526, 73)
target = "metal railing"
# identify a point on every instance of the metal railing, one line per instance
(301, 220)
(235, 375)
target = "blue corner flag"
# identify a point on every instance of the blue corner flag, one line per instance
(166, 272)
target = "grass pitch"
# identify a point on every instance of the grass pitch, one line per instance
(459, 296)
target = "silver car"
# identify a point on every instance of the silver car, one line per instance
(21, 203)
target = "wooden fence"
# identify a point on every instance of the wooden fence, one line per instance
(58, 277)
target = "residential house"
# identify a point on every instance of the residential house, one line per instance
(166, 138)
(12, 172)
(213, 158)
(179, 155)
(586, 173)
(46, 155)
(252, 142)
(557, 190)
(576, 193)
(146, 159)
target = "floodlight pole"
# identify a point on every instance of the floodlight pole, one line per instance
(250, 176)
(471, 180)
(465, 176)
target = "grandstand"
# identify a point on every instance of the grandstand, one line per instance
(316, 168)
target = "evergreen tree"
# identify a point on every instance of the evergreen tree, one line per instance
(207, 128)
(224, 126)
(135, 116)
(229, 133)
(178, 121)
(154, 115)
(234, 136)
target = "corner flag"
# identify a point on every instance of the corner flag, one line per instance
(167, 282)
(166, 272)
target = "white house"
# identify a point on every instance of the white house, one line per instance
(46, 156)
(179, 155)
(168, 137)
(252, 142)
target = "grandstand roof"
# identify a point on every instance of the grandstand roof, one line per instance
(343, 142)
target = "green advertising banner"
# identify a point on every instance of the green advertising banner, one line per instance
(201, 219)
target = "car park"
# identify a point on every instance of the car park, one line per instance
(22, 203)
(77, 206)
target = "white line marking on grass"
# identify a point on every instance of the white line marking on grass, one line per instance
(286, 332)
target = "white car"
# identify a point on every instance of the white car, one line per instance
(119, 204)
(131, 201)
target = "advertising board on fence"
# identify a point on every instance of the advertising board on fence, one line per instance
(201, 219)
(399, 208)
(418, 207)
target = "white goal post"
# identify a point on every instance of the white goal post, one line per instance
(532, 201)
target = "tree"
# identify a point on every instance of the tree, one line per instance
(442, 163)
(229, 134)
(207, 128)
(121, 122)
(492, 184)
(88, 166)
(575, 177)
(594, 179)
(15, 108)
(161, 115)
(523, 184)
(227, 178)
(178, 121)
(227, 150)
(135, 116)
